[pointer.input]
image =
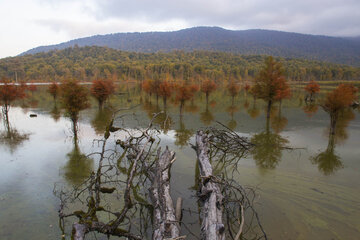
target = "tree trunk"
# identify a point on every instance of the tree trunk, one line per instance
(212, 227)
(268, 109)
(165, 223)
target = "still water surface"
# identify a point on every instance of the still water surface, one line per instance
(301, 195)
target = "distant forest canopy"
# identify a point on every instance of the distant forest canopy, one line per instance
(89, 63)
(248, 42)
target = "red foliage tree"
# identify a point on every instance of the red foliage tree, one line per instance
(165, 91)
(148, 87)
(233, 89)
(102, 89)
(9, 93)
(312, 88)
(74, 98)
(32, 88)
(208, 87)
(340, 98)
(270, 85)
(184, 92)
(54, 90)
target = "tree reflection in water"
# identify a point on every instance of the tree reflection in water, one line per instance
(101, 120)
(267, 150)
(231, 110)
(328, 161)
(78, 166)
(11, 137)
(55, 113)
(206, 117)
(182, 135)
(278, 122)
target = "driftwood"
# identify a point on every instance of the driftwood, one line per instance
(212, 227)
(165, 223)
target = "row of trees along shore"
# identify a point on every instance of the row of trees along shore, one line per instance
(269, 85)
(89, 63)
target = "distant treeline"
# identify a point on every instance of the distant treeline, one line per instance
(88, 63)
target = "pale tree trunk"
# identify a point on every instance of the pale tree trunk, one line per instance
(212, 227)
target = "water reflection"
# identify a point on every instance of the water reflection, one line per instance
(310, 109)
(11, 137)
(182, 135)
(231, 110)
(101, 120)
(278, 122)
(78, 166)
(253, 112)
(55, 113)
(206, 117)
(328, 161)
(268, 148)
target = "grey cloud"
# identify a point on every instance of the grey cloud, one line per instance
(330, 17)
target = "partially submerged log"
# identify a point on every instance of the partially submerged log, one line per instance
(212, 227)
(165, 222)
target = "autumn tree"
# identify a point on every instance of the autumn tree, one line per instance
(102, 89)
(74, 98)
(340, 98)
(233, 89)
(270, 85)
(32, 88)
(9, 93)
(165, 91)
(148, 86)
(247, 88)
(184, 93)
(208, 87)
(312, 88)
(54, 90)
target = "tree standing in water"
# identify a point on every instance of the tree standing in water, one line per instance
(208, 87)
(102, 89)
(312, 88)
(9, 93)
(165, 90)
(74, 98)
(184, 92)
(270, 85)
(233, 89)
(54, 90)
(337, 100)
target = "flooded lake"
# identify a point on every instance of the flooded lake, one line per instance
(309, 192)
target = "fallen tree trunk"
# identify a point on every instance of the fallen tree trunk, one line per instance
(165, 223)
(212, 227)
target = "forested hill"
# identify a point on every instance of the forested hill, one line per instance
(88, 63)
(249, 42)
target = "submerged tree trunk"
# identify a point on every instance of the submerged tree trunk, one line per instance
(268, 109)
(165, 222)
(212, 227)
(333, 120)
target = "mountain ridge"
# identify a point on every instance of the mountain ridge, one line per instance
(253, 41)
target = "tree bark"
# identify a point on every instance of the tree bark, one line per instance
(212, 227)
(164, 219)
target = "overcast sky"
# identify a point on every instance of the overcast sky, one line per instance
(27, 24)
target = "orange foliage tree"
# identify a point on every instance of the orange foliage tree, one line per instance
(165, 90)
(32, 88)
(54, 90)
(184, 93)
(270, 85)
(208, 87)
(340, 98)
(312, 88)
(148, 86)
(9, 93)
(102, 89)
(233, 89)
(74, 98)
